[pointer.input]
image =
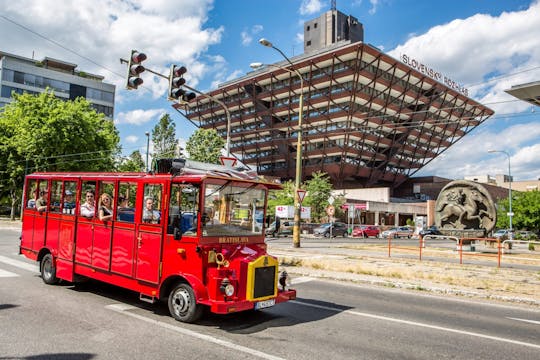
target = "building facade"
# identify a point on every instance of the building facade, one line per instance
(369, 120)
(19, 74)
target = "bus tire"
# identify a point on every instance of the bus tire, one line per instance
(183, 305)
(48, 271)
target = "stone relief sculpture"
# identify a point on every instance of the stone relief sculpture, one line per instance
(465, 205)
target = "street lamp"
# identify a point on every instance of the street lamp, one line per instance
(147, 147)
(298, 180)
(510, 214)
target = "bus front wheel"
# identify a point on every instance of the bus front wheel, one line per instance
(48, 271)
(182, 304)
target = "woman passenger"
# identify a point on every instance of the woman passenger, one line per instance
(105, 207)
(88, 209)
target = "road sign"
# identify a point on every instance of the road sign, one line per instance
(331, 200)
(301, 194)
(227, 161)
(330, 210)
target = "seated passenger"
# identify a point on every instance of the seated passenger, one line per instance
(150, 215)
(41, 202)
(69, 203)
(125, 213)
(105, 207)
(88, 209)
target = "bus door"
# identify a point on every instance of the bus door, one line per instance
(66, 235)
(103, 225)
(54, 217)
(150, 233)
(123, 239)
(85, 223)
(40, 219)
(32, 191)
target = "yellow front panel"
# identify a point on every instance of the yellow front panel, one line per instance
(263, 261)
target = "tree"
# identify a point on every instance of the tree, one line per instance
(526, 209)
(164, 138)
(319, 189)
(44, 133)
(134, 163)
(205, 145)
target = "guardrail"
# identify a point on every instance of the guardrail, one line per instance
(497, 244)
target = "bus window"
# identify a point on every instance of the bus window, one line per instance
(70, 194)
(127, 193)
(151, 213)
(43, 195)
(105, 202)
(183, 209)
(31, 194)
(88, 199)
(56, 196)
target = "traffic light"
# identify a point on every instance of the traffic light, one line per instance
(135, 68)
(176, 81)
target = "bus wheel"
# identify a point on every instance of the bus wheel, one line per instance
(182, 304)
(48, 271)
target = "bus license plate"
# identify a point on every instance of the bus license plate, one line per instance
(265, 304)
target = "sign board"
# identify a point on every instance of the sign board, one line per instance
(287, 212)
(330, 210)
(331, 200)
(301, 194)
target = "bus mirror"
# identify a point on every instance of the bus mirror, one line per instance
(177, 234)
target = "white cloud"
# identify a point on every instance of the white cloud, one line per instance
(247, 35)
(309, 7)
(139, 117)
(131, 139)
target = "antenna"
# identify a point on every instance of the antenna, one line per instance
(333, 5)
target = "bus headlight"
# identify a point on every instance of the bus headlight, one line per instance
(284, 280)
(226, 287)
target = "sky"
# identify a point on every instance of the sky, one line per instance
(486, 45)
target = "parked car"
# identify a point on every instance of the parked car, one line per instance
(366, 231)
(397, 232)
(525, 235)
(335, 229)
(432, 230)
(286, 228)
(501, 234)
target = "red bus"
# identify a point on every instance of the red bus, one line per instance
(191, 233)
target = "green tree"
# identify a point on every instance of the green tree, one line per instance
(134, 163)
(44, 133)
(319, 189)
(164, 138)
(526, 209)
(205, 145)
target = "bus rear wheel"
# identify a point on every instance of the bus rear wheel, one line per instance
(182, 304)
(48, 271)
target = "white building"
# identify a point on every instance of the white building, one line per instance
(19, 74)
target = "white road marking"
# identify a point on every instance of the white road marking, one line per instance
(414, 323)
(525, 320)
(301, 280)
(20, 264)
(123, 309)
(5, 273)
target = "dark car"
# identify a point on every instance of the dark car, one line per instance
(366, 231)
(432, 230)
(332, 229)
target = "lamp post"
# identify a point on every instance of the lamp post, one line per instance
(147, 147)
(298, 174)
(510, 213)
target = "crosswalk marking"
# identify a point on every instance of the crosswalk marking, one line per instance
(5, 273)
(19, 264)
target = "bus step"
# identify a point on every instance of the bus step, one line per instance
(147, 298)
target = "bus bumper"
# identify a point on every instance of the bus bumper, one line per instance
(227, 307)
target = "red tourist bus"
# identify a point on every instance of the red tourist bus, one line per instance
(191, 233)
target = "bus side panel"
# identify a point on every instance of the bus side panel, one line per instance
(66, 239)
(101, 250)
(28, 229)
(123, 249)
(40, 221)
(53, 232)
(83, 249)
(148, 253)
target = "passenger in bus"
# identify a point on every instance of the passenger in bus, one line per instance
(41, 202)
(150, 215)
(125, 213)
(88, 209)
(32, 202)
(105, 207)
(69, 203)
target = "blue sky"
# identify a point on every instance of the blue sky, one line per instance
(486, 45)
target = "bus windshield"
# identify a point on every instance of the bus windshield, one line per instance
(233, 209)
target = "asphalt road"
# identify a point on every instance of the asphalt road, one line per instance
(328, 320)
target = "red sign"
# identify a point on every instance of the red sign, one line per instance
(301, 194)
